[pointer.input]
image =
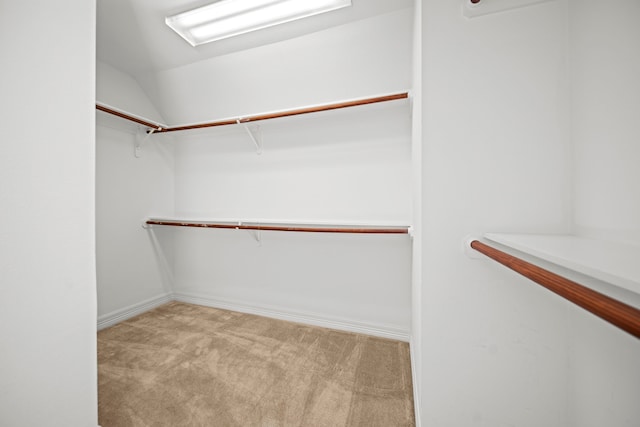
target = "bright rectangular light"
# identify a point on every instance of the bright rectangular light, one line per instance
(228, 18)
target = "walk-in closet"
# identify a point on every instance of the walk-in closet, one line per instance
(273, 180)
(390, 213)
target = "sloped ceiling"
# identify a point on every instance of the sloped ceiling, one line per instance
(132, 35)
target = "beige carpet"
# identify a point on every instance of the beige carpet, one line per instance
(188, 365)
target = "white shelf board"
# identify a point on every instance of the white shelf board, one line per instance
(397, 228)
(287, 221)
(486, 7)
(614, 263)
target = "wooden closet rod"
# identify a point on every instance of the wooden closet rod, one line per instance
(285, 227)
(615, 312)
(155, 126)
(326, 107)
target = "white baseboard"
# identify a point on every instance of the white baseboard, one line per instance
(314, 319)
(414, 379)
(299, 317)
(125, 313)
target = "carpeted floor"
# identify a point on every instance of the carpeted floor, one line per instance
(188, 365)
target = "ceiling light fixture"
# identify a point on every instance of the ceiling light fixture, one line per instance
(228, 18)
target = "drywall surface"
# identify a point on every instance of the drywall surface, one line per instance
(416, 197)
(604, 382)
(121, 91)
(605, 62)
(345, 166)
(339, 63)
(495, 156)
(351, 167)
(47, 249)
(133, 264)
(352, 280)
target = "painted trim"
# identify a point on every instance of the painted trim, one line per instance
(295, 316)
(125, 313)
(486, 7)
(306, 318)
(416, 389)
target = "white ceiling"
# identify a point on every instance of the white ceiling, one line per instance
(132, 35)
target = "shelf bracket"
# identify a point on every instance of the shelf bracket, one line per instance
(141, 140)
(254, 134)
(257, 236)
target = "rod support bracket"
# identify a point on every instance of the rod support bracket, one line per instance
(468, 250)
(257, 236)
(140, 140)
(254, 133)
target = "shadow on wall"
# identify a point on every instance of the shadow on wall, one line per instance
(162, 240)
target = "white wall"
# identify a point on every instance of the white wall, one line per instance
(350, 166)
(605, 64)
(133, 264)
(121, 91)
(47, 249)
(361, 59)
(416, 197)
(347, 167)
(605, 105)
(495, 157)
